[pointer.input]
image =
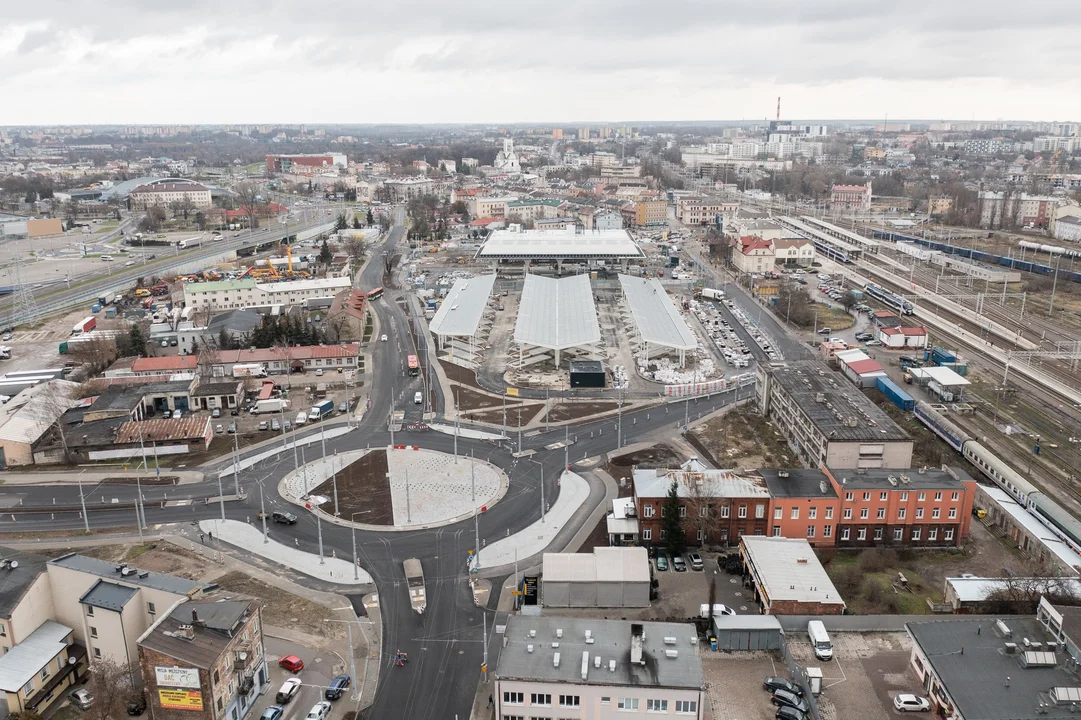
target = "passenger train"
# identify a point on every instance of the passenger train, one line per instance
(895, 302)
(1035, 501)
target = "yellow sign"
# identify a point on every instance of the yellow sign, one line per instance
(181, 699)
(512, 391)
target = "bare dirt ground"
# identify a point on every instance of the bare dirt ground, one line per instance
(363, 487)
(575, 411)
(496, 416)
(742, 439)
(468, 399)
(459, 374)
(160, 557)
(283, 609)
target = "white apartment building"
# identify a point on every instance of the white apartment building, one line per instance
(162, 194)
(752, 254)
(405, 189)
(485, 207)
(248, 293)
(703, 210)
(590, 669)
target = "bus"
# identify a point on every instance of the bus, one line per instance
(414, 365)
(374, 294)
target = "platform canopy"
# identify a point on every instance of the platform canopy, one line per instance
(559, 245)
(658, 320)
(462, 309)
(944, 376)
(557, 313)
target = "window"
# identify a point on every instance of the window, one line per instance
(955, 497)
(883, 496)
(3, 630)
(844, 533)
(647, 534)
(97, 653)
(627, 704)
(810, 531)
(827, 531)
(904, 497)
(850, 497)
(901, 514)
(795, 513)
(759, 511)
(812, 513)
(777, 512)
(540, 699)
(93, 631)
(919, 513)
(606, 700)
(829, 513)
(703, 511)
(863, 513)
(701, 535)
(647, 511)
(216, 677)
(509, 698)
(953, 513)
(938, 496)
(569, 701)
(878, 533)
(949, 534)
(724, 511)
(861, 534)
(932, 534)
(915, 534)
(881, 514)
(683, 511)
(897, 533)
(867, 497)
(45, 672)
(742, 511)
(150, 608)
(776, 531)
(935, 514)
(28, 688)
(921, 497)
(848, 514)
(686, 706)
(90, 610)
(656, 705)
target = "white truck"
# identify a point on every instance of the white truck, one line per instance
(712, 294)
(189, 243)
(250, 370)
(271, 405)
(414, 578)
(820, 640)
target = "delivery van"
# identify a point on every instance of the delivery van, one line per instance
(820, 640)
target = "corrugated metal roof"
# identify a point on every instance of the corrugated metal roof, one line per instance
(605, 564)
(555, 244)
(557, 313)
(188, 428)
(657, 318)
(787, 569)
(177, 363)
(24, 661)
(696, 480)
(463, 307)
(29, 414)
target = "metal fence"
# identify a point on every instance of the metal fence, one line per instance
(798, 674)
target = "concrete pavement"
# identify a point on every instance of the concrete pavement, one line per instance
(93, 477)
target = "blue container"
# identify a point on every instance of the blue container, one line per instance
(95, 308)
(896, 395)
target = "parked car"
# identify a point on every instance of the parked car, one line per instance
(288, 424)
(215, 413)
(337, 686)
(343, 406)
(319, 372)
(863, 336)
(234, 412)
(288, 690)
(774, 683)
(274, 712)
(783, 697)
(789, 713)
(907, 702)
(291, 663)
(219, 429)
(81, 698)
(177, 414)
(275, 425)
(232, 428)
(873, 343)
(678, 563)
(319, 711)
(264, 425)
(696, 561)
(661, 562)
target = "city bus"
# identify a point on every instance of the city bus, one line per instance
(414, 365)
(377, 293)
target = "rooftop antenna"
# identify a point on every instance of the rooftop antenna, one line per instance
(778, 108)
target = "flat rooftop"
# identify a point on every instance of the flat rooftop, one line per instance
(604, 564)
(611, 643)
(462, 309)
(969, 658)
(143, 578)
(693, 479)
(796, 482)
(557, 313)
(840, 411)
(556, 245)
(658, 320)
(953, 478)
(788, 569)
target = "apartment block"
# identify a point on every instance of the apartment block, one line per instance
(164, 194)
(703, 210)
(590, 669)
(851, 197)
(650, 213)
(249, 293)
(826, 422)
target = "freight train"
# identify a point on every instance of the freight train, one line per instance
(1035, 501)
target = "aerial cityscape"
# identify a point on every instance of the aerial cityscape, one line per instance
(328, 392)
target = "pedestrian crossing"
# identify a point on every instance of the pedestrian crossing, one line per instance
(32, 336)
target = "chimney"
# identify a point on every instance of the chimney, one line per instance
(638, 636)
(194, 616)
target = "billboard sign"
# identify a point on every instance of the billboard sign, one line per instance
(177, 677)
(181, 700)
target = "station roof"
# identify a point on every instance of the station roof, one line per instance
(463, 307)
(787, 569)
(557, 313)
(942, 375)
(559, 245)
(657, 318)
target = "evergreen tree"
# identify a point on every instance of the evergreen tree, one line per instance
(137, 341)
(341, 223)
(371, 218)
(325, 255)
(356, 222)
(671, 524)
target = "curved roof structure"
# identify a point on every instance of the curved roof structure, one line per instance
(658, 320)
(463, 307)
(557, 313)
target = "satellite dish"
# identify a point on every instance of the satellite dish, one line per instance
(72, 660)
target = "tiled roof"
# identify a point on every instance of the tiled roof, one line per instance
(189, 428)
(165, 364)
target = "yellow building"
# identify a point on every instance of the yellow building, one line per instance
(939, 205)
(650, 212)
(39, 670)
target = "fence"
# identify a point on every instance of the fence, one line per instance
(798, 674)
(711, 386)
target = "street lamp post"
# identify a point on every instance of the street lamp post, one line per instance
(353, 532)
(541, 467)
(352, 663)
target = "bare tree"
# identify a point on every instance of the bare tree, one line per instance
(703, 508)
(186, 205)
(54, 403)
(250, 195)
(111, 685)
(355, 248)
(95, 354)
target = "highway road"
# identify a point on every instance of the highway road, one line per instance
(444, 645)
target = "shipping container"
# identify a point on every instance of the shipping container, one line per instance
(85, 325)
(896, 395)
(95, 308)
(110, 312)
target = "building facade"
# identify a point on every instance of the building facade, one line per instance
(703, 210)
(794, 252)
(650, 213)
(753, 254)
(851, 197)
(304, 164)
(249, 293)
(165, 194)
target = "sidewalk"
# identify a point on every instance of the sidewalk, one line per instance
(250, 538)
(92, 477)
(291, 440)
(467, 432)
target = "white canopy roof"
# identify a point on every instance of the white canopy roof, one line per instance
(942, 375)
(554, 244)
(557, 313)
(658, 320)
(463, 307)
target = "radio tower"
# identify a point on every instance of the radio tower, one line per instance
(25, 308)
(778, 108)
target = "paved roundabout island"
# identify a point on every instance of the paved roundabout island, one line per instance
(395, 488)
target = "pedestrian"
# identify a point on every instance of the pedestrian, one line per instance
(490, 701)
(202, 538)
(210, 535)
(296, 541)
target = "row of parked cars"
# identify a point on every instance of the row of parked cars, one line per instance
(678, 564)
(732, 348)
(291, 688)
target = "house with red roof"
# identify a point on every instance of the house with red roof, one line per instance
(752, 254)
(903, 337)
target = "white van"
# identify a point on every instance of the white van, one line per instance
(301, 418)
(418, 398)
(820, 640)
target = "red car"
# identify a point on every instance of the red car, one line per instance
(291, 663)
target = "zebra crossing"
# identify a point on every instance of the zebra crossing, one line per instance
(31, 336)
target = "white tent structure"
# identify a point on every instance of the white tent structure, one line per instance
(556, 316)
(593, 247)
(463, 318)
(657, 321)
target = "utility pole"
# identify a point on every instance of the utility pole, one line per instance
(547, 410)
(408, 509)
(619, 426)
(457, 424)
(1054, 286)
(392, 415)
(519, 429)
(82, 501)
(221, 497)
(139, 509)
(262, 512)
(236, 463)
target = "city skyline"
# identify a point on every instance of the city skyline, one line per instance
(200, 63)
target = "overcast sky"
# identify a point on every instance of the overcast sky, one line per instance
(209, 61)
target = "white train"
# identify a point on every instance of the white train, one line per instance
(1053, 250)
